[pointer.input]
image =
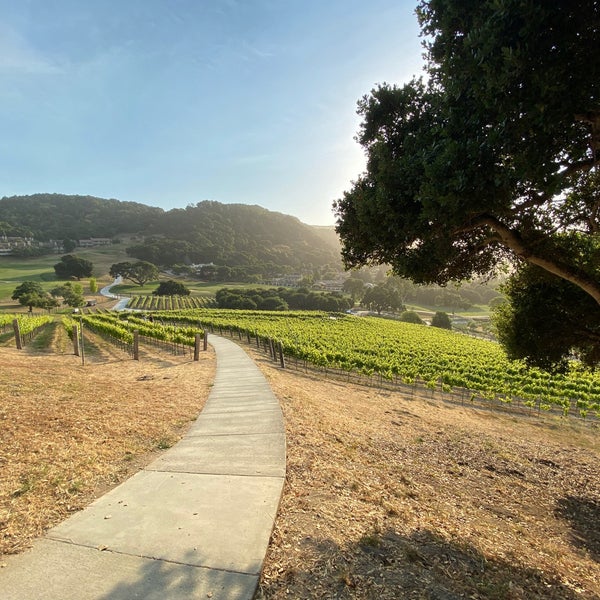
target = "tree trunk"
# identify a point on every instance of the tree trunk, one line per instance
(511, 239)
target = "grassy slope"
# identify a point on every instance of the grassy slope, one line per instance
(14, 271)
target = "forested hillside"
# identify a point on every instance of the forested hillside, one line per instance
(58, 216)
(235, 235)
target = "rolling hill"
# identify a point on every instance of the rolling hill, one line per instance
(235, 235)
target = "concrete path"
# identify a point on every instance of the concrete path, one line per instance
(193, 524)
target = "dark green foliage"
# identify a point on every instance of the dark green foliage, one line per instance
(442, 320)
(273, 303)
(27, 287)
(409, 316)
(237, 242)
(380, 298)
(355, 287)
(138, 272)
(69, 245)
(31, 294)
(388, 295)
(60, 216)
(71, 265)
(249, 238)
(71, 293)
(281, 299)
(171, 288)
(547, 320)
(496, 155)
(30, 251)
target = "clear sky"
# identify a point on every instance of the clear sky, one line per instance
(171, 102)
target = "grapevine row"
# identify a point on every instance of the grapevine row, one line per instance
(29, 325)
(122, 327)
(410, 353)
(150, 302)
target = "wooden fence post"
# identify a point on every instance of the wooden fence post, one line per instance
(205, 340)
(281, 357)
(75, 336)
(197, 347)
(136, 344)
(18, 338)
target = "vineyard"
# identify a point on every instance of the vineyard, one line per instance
(150, 302)
(28, 325)
(405, 354)
(371, 349)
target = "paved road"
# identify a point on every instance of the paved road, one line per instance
(195, 523)
(105, 291)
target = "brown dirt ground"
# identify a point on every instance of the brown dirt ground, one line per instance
(385, 496)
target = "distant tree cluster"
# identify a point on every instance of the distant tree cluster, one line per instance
(72, 266)
(393, 293)
(282, 299)
(30, 251)
(171, 288)
(410, 316)
(71, 293)
(138, 272)
(251, 239)
(32, 295)
(72, 217)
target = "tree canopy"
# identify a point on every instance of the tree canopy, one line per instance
(139, 272)
(171, 288)
(382, 296)
(442, 320)
(281, 299)
(71, 293)
(60, 216)
(494, 155)
(71, 265)
(32, 294)
(546, 320)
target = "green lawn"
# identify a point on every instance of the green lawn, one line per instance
(14, 271)
(198, 288)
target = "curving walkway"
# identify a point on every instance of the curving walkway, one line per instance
(195, 523)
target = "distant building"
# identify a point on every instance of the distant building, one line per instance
(291, 281)
(330, 285)
(93, 242)
(9, 243)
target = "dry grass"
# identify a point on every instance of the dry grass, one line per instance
(391, 498)
(70, 432)
(385, 497)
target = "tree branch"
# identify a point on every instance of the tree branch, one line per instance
(512, 239)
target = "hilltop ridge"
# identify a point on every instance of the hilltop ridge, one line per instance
(237, 235)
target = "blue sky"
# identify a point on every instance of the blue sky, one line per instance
(171, 102)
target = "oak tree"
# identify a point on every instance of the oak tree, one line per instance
(139, 272)
(493, 156)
